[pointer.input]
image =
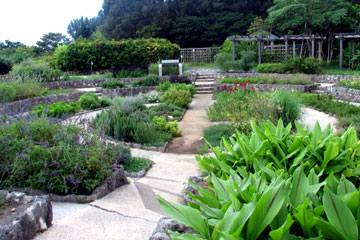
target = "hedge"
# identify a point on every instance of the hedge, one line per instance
(77, 56)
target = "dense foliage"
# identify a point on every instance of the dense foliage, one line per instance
(89, 101)
(5, 65)
(77, 56)
(150, 80)
(14, 90)
(298, 79)
(113, 84)
(44, 155)
(297, 65)
(58, 109)
(273, 184)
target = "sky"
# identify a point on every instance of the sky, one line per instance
(27, 21)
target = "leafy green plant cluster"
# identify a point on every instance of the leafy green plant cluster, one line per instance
(298, 79)
(15, 90)
(128, 120)
(45, 155)
(180, 98)
(271, 184)
(215, 133)
(347, 114)
(150, 80)
(113, 84)
(355, 83)
(58, 109)
(167, 126)
(104, 54)
(136, 165)
(288, 107)
(89, 101)
(169, 110)
(35, 71)
(297, 65)
(151, 97)
(241, 106)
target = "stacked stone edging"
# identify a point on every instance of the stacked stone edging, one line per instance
(316, 78)
(125, 92)
(29, 103)
(270, 87)
(35, 215)
(115, 180)
(91, 83)
(345, 94)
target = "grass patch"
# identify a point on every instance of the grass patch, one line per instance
(215, 133)
(298, 79)
(136, 165)
(58, 91)
(346, 114)
(334, 70)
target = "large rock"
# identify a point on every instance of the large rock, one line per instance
(27, 217)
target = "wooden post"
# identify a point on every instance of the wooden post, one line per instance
(259, 51)
(341, 51)
(233, 50)
(312, 46)
(320, 49)
(353, 45)
(286, 47)
(294, 49)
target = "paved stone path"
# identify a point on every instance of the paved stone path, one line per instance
(192, 126)
(310, 116)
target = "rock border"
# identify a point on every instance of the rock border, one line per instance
(25, 224)
(164, 225)
(270, 87)
(115, 180)
(345, 94)
(140, 173)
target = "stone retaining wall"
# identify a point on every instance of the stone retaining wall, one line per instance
(91, 83)
(28, 104)
(316, 78)
(345, 94)
(270, 87)
(125, 92)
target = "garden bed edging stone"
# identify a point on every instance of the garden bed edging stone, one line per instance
(270, 87)
(31, 215)
(345, 94)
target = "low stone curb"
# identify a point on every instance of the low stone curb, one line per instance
(125, 92)
(345, 94)
(115, 180)
(31, 215)
(141, 173)
(271, 87)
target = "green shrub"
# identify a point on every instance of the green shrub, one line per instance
(181, 86)
(137, 165)
(224, 61)
(247, 60)
(167, 110)
(58, 109)
(89, 101)
(170, 127)
(5, 65)
(180, 98)
(131, 74)
(65, 77)
(289, 108)
(131, 104)
(304, 65)
(151, 97)
(215, 133)
(151, 80)
(31, 70)
(52, 157)
(105, 102)
(105, 54)
(113, 84)
(12, 91)
(272, 68)
(163, 87)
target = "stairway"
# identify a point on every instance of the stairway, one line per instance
(320, 88)
(93, 90)
(204, 83)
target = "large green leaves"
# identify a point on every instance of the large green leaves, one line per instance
(340, 215)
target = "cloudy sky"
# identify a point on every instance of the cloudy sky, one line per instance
(27, 20)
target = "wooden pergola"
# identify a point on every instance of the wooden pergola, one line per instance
(287, 38)
(342, 37)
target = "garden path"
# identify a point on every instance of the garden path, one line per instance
(192, 126)
(310, 116)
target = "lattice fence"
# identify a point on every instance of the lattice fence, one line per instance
(199, 54)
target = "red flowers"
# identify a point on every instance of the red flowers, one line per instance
(96, 44)
(235, 88)
(223, 87)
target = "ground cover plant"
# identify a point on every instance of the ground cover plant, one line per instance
(179, 94)
(129, 120)
(354, 84)
(58, 91)
(43, 154)
(277, 185)
(347, 114)
(240, 105)
(298, 79)
(150, 80)
(15, 90)
(113, 84)
(215, 133)
(297, 65)
(136, 165)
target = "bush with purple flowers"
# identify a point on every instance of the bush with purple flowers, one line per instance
(43, 154)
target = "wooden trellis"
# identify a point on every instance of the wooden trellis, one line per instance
(199, 54)
(342, 37)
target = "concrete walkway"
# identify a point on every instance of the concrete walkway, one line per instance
(310, 116)
(192, 126)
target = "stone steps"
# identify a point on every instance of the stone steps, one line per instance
(204, 83)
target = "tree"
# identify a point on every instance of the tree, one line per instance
(10, 45)
(83, 27)
(50, 41)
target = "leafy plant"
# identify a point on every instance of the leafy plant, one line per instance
(289, 108)
(163, 87)
(151, 97)
(164, 125)
(58, 109)
(35, 71)
(150, 80)
(5, 65)
(89, 101)
(215, 133)
(179, 79)
(12, 91)
(113, 84)
(180, 98)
